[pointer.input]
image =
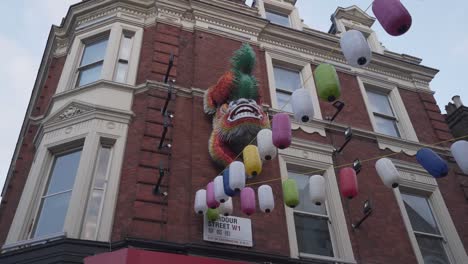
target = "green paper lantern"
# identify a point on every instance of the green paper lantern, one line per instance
(290, 193)
(212, 214)
(327, 82)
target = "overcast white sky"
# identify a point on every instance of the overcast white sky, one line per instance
(438, 36)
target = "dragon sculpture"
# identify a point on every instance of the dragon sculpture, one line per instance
(234, 103)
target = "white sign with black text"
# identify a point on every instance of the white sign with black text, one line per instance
(228, 230)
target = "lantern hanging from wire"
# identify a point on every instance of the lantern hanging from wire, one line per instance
(355, 48)
(212, 214)
(302, 105)
(252, 161)
(460, 153)
(290, 193)
(393, 16)
(327, 82)
(236, 175)
(200, 202)
(265, 144)
(433, 163)
(220, 195)
(266, 201)
(226, 208)
(227, 189)
(387, 172)
(317, 189)
(210, 196)
(348, 182)
(247, 197)
(281, 130)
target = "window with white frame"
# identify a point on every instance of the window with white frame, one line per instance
(287, 80)
(56, 197)
(311, 221)
(92, 60)
(124, 57)
(278, 18)
(109, 53)
(96, 198)
(385, 119)
(430, 240)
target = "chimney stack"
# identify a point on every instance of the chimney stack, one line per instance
(457, 101)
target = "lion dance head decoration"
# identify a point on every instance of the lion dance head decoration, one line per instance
(235, 103)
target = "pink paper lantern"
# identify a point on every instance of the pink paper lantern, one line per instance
(210, 196)
(348, 182)
(281, 130)
(392, 15)
(247, 197)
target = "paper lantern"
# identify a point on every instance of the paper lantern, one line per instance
(327, 82)
(355, 48)
(460, 153)
(290, 193)
(252, 161)
(433, 163)
(227, 189)
(266, 201)
(317, 189)
(247, 197)
(348, 182)
(200, 202)
(212, 214)
(265, 144)
(236, 175)
(387, 172)
(220, 195)
(281, 130)
(392, 15)
(226, 208)
(210, 196)
(302, 105)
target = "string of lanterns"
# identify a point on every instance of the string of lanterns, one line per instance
(217, 198)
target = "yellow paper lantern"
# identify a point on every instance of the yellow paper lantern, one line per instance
(252, 161)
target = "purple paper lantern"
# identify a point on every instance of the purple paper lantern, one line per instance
(281, 130)
(210, 196)
(392, 15)
(247, 196)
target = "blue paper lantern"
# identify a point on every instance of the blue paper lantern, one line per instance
(227, 188)
(433, 163)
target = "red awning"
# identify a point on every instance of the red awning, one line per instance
(136, 256)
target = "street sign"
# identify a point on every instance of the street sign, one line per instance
(228, 230)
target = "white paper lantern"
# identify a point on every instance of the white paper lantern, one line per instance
(220, 196)
(226, 208)
(265, 145)
(302, 105)
(355, 48)
(317, 189)
(387, 172)
(237, 175)
(266, 200)
(460, 153)
(200, 202)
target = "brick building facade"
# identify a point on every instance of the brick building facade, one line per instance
(73, 111)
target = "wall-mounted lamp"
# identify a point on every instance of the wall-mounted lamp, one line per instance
(162, 172)
(348, 135)
(339, 106)
(367, 210)
(357, 165)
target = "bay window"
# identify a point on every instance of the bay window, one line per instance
(92, 61)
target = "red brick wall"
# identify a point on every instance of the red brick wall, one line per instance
(27, 150)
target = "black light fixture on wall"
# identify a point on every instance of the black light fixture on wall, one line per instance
(348, 135)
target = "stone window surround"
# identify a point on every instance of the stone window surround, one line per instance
(283, 8)
(115, 31)
(404, 124)
(317, 156)
(88, 129)
(414, 179)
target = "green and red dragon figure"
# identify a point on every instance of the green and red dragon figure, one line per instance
(235, 103)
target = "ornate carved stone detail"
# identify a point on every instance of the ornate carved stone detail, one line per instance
(71, 112)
